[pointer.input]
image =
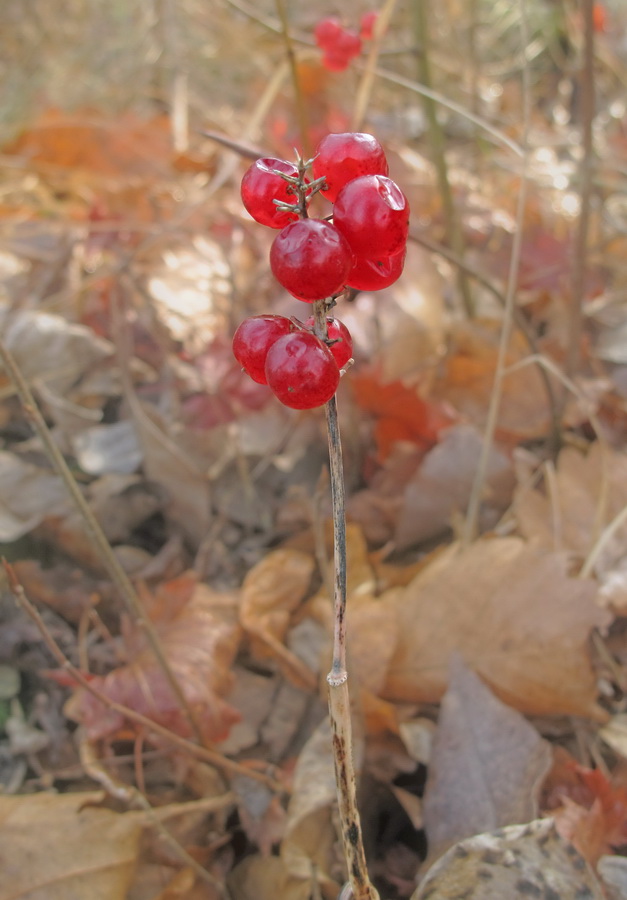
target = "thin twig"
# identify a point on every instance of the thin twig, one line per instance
(211, 756)
(301, 108)
(454, 232)
(580, 249)
(364, 90)
(474, 504)
(132, 796)
(109, 559)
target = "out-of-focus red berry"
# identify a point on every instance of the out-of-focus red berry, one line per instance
(367, 25)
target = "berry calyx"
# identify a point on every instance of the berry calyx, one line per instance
(369, 274)
(342, 157)
(311, 259)
(339, 337)
(261, 186)
(372, 213)
(253, 339)
(301, 371)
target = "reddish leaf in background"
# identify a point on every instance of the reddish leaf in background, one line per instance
(592, 812)
(200, 636)
(400, 412)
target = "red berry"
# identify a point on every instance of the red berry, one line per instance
(311, 259)
(342, 346)
(372, 213)
(261, 186)
(301, 371)
(335, 62)
(348, 42)
(370, 274)
(367, 24)
(343, 157)
(327, 31)
(253, 339)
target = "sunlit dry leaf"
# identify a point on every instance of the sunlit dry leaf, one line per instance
(27, 494)
(513, 614)
(443, 483)
(200, 642)
(469, 376)
(486, 768)
(520, 861)
(590, 491)
(271, 592)
(57, 846)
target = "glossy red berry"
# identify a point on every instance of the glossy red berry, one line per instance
(367, 25)
(261, 186)
(301, 371)
(253, 339)
(327, 31)
(342, 157)
(341, 345)
(372, 213)
(311, 259)
(370, 274)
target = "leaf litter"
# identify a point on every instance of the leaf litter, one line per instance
(125, 269)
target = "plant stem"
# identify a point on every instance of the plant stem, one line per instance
(109, 559)
(337, 679)
(438, 152)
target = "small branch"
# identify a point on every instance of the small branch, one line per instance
(108, 557)
(301, 108)
(211, 756)
(580, 248)
(454, 232)
(366, 84)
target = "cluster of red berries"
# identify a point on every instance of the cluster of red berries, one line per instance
(338, 44)
(315, 260)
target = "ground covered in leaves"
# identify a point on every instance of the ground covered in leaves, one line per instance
(163, 725)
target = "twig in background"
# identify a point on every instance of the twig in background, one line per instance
(452, 224)
(301, 108)
(100, 542)
(367, 79)
(472, 516)
(211, 756)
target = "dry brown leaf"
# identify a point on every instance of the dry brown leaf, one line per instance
(513, 614)
(28, 494)
(487, 765)
(267, 878)
(442, 486)
(469, 377)
(271, 592)
(520, 861)
(310, 835)
(200, 641)
(590, 490)
(57, 846)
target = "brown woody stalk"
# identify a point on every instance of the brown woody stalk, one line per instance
(337, 679)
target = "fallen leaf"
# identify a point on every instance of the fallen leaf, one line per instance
(310, 835)
(28, 494)
(400, 413)
(200, 642)
(57, 846)
(520, 861)
(443, 483)
(513, 614)
(271, 592)
(487, 765)
(468, 380)
(267, 878)
(590, 490)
